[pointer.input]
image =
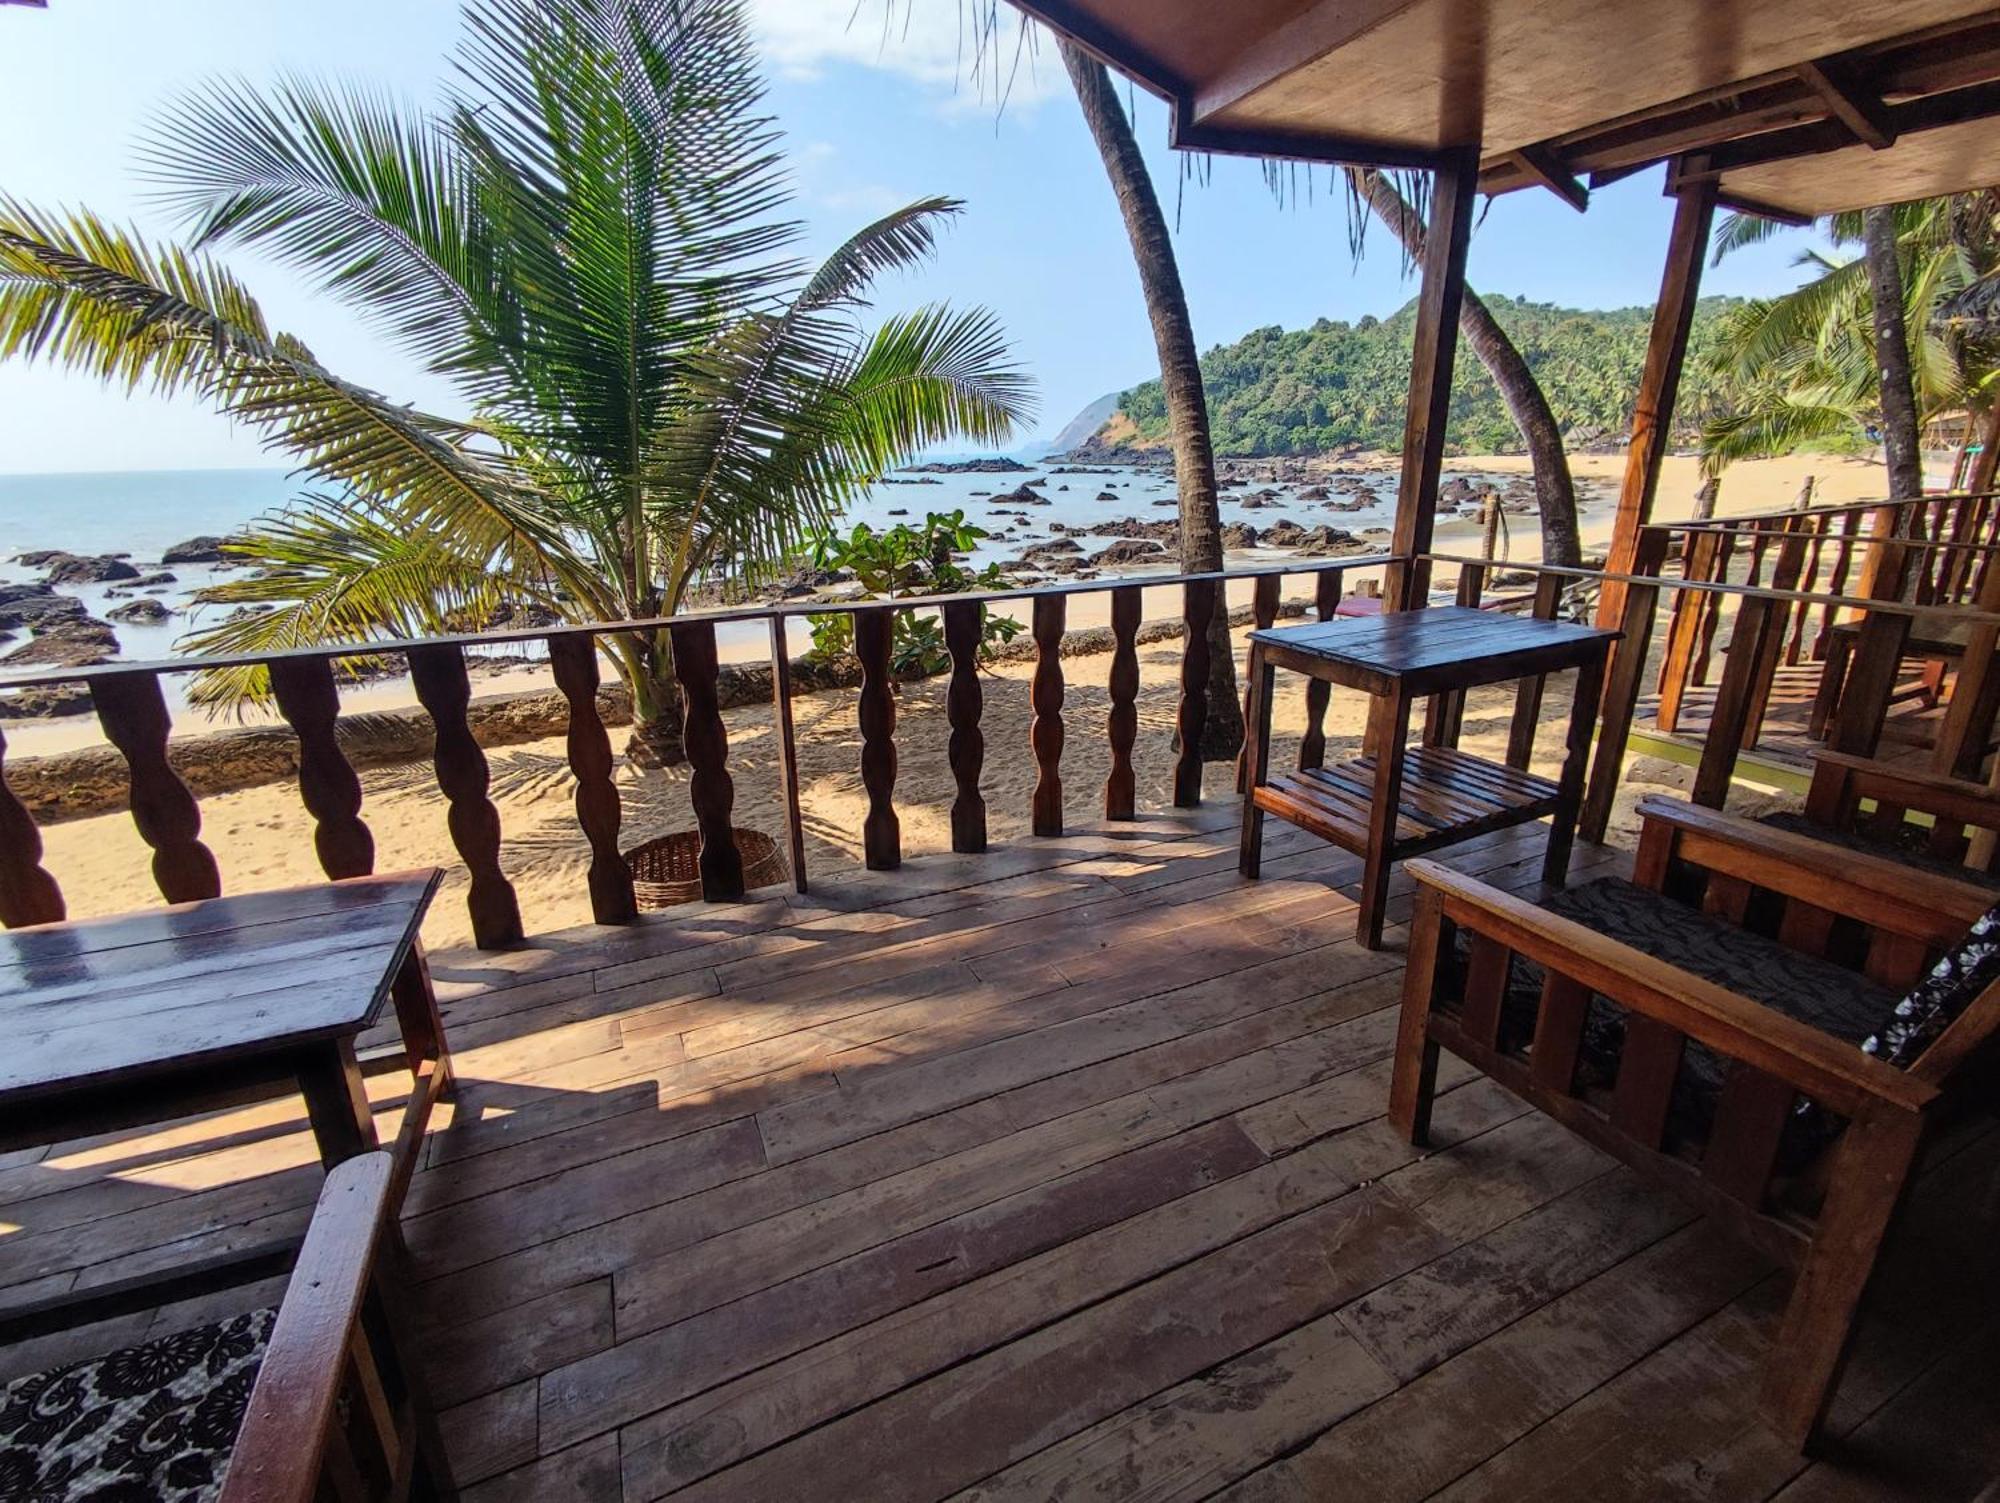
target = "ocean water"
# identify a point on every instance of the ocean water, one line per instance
(142, 513)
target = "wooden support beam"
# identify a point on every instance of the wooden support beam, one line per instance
(1849, 100)
(1743, 204)
(1436, 348)
(1546, 168)
(1659, 385)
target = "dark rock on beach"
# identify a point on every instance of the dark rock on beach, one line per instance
(157, 577)
(37, 558)
(80, 568)
(197, 550)
(969, 467)
(45, 702)
(69, 642)
(35, 605)
(1128, 551)
(1239, 535)
(144, 610)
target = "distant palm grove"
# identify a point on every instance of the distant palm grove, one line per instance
(1302, 391)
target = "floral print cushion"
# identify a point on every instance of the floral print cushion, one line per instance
(151, 1422)
(1936, 1002)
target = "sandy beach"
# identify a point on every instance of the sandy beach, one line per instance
(261, 836)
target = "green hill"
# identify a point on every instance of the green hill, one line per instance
(1302, 391)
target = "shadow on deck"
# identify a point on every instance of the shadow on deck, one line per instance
(1059, 1171)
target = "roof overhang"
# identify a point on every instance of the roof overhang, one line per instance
(1795, 107)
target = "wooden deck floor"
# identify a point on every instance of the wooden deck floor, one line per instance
(1055, 1173)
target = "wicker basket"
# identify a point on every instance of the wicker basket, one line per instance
(668, 870)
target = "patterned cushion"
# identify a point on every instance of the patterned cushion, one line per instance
(151, 1422)
(1914, 1024)
(1908, 850)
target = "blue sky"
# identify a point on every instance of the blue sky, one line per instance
(872, 120)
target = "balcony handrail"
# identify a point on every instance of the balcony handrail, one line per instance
(1817, 509)
(723, 616)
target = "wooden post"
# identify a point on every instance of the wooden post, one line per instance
(1659, 385)
(1122, 723)
(134, 715)
(1264, 612)
(437, 674)
(1431, 360)
(788, 750)
(1621, 691)
(711, 791)
(1045, 734)
(1326, 603)
(1198, 605)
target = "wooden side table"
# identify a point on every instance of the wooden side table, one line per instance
(1384, 807)
(119, 1022)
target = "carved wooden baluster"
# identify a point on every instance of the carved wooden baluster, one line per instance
(1191, 720)
(1264, 610)
(963, 702)
(310, 703)
(1312, 745)
(1045, 735)
(28, 894)
(881, 831)
(574, 660)
(134, 715)
(437, 673)
(1122, 725)
(710, 788)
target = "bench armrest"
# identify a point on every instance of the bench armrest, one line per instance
(1817, 1065)
(1912, 788)
(293, 1404)
(1881, 893)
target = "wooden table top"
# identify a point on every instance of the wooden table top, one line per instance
(1400, 645)
(102, 1000)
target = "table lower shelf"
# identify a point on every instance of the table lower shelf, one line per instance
(1447, 796)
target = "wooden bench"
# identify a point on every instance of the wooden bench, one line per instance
(336, 1408)
(1804, 1143)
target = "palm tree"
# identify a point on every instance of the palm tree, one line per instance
(586, 241)
(1805, 367)
(1180, 375)
(1555, 488)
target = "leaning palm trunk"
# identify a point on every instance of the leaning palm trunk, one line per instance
(1555, 489)
(1180, 377)
(1900, 428)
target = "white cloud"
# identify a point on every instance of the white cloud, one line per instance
(944, 45)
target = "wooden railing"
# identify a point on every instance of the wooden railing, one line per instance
(132, 709)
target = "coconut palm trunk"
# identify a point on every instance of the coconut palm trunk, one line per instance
(1900, 432)
(1555, 489)
(1180, 376)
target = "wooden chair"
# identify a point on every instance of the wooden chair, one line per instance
(1784, 1130)
(334, 1410)
(1965, 816)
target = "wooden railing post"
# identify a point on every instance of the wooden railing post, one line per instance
(28, 894)
(788, 750)
(133, 712)
(1198, 597)
(964, 702)
(1759, 625)
(1121, 727)
(711, 790)
(598, 813)
(1784, 576)
(1698, 559)
(310, 702)
(1882, 637)
(881, 831)
(1621, 690)
(1326, 603)
(1264, 613)
(1045, 733)
(437, 673)
(1528, 693)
